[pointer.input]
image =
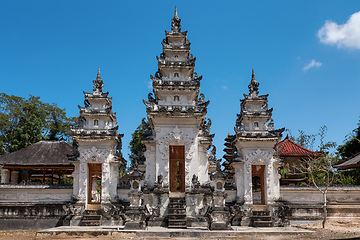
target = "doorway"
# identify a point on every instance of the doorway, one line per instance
(94, 193)
(258, 184)
(177, 168)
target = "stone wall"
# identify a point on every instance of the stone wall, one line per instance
(305, 204)
(35, 194)
(31, 207)
(310, 195)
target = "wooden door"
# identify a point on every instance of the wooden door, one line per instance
(94, 191)
(258, 189)
(177, 168)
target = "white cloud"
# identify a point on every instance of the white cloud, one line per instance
(149, 85)
(223, 87)
(345, 35)
(312, 64)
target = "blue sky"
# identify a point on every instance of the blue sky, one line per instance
(306, 56)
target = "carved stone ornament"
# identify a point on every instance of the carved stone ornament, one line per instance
(94, 154)
(176, 137)
(259, 156)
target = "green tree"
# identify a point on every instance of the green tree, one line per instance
(321, 175)
(351, 145)
(137, 149)
(308, 140)
(26, 121)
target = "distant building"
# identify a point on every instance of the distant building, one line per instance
(352, 162)
(42, 162)
(293, 154)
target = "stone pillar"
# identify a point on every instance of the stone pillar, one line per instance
(105, 194)
(219, 216)
(248, 184)
(83, 182)
(114, 177)
(239, 180)
(75, 175)
(277, 177)
(135, 213)
(14, 177)
(5, 175)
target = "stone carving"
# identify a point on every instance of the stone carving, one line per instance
(258, 156)
(47, 197)
(254, 85)
(147, 131)
(71, 209)
(94, 154)
(159, 183)
(176, 136)
(195, 182)
(151, 99)
(201, 101)
(153, 210)
(212, 158)
(135, 198)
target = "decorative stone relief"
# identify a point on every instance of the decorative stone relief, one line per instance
(94, 154)
(21, 196)
(47, 197)
(258, 156)
(176, 136)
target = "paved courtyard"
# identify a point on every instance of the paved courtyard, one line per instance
(336, 230)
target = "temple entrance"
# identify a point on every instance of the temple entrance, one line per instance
(258, 184)
(177, 168)
(94, 194)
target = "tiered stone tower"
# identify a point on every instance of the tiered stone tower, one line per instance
(251, 150)
(177, 137)
(180, 136)
(99, 150)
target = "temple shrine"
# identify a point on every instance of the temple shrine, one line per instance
(177, 182)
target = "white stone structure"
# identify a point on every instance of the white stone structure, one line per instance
(252, 148)
(97, 162)
(176, 116)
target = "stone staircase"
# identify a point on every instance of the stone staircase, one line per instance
(262, 218)
(177, 212)
(91, 218)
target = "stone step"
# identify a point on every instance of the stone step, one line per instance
(177, 213)
(91, 217)
(177, 226)
(262, 224)
(174, 224)
(90, 223)
(177, 210)
(261, 213)
(92, 212)
(177, 206)
(262, 218)
(182, 218)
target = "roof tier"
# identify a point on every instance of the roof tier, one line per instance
(288, 148)
(43, 153)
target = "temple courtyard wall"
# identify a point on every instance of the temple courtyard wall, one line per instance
(43, 206)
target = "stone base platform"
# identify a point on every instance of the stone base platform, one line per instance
(169, 233)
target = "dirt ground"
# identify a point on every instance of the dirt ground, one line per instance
(337, 230)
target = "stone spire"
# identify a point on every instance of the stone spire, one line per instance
(254, 85)
(176, 22)
(98, 84)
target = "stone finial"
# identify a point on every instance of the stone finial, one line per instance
(176, 15)
(98, 83)
(176, 22)
(254, 85)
